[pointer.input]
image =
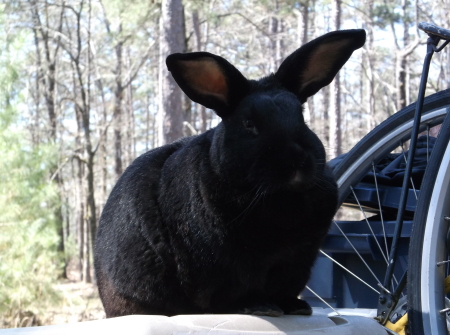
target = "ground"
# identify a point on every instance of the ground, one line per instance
(80, 303)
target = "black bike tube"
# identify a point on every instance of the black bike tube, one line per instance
(432, 42)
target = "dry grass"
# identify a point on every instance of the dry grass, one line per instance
(80, 302)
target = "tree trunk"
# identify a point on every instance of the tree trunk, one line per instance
(117, 114)
(273, 36)
(302, 23)
(82, 81)
(401, 59)
(302, 38)
(48, 79)
(87, 253)
(103, 152)
(148, 119)
(335, 137)
(401, 62)
(198, 47)
(326, 114)
(131, 127)
(172, 40)
(80, 219)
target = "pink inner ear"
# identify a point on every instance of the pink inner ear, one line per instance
(321, 62)
(206, 77)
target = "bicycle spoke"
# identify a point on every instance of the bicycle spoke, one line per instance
(321, 299)
(443, 262)
(394, 279)
(343, 267)
(410, 179)
(357, 252)
(368, 224)
(379, 206)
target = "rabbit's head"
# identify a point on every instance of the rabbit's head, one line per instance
(263, 140)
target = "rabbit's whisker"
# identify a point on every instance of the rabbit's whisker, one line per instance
(252, 204)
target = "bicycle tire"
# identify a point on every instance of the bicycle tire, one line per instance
(383, 138)
(426, 295)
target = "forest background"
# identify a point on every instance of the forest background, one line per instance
(85, 90)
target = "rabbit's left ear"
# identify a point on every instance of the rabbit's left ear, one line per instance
(316, 63)
(209, 80)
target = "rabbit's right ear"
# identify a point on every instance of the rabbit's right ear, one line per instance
(209, 80)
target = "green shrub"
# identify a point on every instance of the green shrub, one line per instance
(29, 262)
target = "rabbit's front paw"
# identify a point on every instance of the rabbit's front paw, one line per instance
(296, 307)
(266, 309)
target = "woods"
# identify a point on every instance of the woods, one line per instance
(85, 90)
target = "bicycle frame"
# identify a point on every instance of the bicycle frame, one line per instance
(388, 300)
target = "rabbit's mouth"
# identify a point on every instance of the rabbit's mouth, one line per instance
(302, 174)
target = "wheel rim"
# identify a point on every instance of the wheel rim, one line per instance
(386, 145)
(433, 276)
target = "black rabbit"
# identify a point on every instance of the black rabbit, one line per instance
(229, 221)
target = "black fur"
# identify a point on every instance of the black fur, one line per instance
(229, 221)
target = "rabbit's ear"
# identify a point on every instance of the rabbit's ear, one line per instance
(209, 80)
(316, 63)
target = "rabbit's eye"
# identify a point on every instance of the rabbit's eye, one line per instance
(250, 126)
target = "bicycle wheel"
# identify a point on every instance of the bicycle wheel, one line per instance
(429, 244)
(360, 245)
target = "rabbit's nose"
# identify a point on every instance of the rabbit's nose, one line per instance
(297, 177)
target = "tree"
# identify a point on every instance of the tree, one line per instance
(171, 40)
(402, 52)
(123, 80)
(29, 257)
(335, 92)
